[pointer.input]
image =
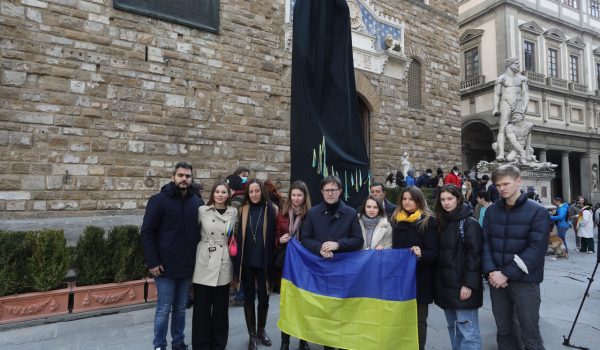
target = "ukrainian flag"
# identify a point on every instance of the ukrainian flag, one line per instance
(360, 300)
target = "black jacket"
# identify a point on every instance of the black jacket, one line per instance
(459, 263)
(389, 208)
(170, 231)
(342, 227)
(406, 235)
(522, 230)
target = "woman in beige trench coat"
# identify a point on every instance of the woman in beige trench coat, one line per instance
(213, 271)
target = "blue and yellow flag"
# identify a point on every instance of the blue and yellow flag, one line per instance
(360, 300)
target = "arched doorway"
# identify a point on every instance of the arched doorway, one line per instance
(477, 139)
(365, 118)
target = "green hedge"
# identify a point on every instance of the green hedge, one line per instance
(15, 249)
(49, 260)
(125, 244)
(92, 257)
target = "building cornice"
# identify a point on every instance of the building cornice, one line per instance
(525, 8)
(489, 86)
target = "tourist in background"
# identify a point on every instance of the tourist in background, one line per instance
(483, 202)
(561, 219)
(374, 224)
(289, 226)
(413, 227)
(255, 259)
(410, 178)
(458, 286)
(378, 191)
(213, 271)
(453, 177)
(423, 179)
(585, 230)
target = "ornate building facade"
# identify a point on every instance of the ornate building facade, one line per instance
(558, 43)
(98, 103)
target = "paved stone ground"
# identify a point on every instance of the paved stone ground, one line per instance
(562, 291)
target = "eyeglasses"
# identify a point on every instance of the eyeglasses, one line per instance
(187, 176)
(330, 190)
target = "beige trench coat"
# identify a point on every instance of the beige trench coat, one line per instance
(213, 264)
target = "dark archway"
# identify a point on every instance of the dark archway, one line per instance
(477, 139)
(365, 119)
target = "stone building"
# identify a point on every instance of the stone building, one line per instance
(98, 104)
(558, 43)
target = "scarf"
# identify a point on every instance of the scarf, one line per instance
(403, 216)
(295, 219)
(370, 224)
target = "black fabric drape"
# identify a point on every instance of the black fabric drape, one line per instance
(326, 132)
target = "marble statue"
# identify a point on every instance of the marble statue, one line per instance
(391, 44)
(405, 163)
(511, 95)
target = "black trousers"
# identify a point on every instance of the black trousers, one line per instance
(254, 281)
(210, 321)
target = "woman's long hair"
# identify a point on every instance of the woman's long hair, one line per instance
(287, 206)
(439, 210)
(419, 198)
(211, 199)
(362, 209)
(264, 196)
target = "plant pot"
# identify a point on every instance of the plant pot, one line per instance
(30, 306)
(152, 294)
(103, 296)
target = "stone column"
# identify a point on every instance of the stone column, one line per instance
(542, 157)
(566, 177)
(586, 176)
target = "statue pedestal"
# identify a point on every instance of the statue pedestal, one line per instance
(536, 175)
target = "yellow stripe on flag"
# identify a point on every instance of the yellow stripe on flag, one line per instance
(348, 323)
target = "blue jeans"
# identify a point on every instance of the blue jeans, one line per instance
(562, 233)
(463, 327)
(172, 298)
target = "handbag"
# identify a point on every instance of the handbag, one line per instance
(232, 245)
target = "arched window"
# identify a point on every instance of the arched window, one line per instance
(414, 84)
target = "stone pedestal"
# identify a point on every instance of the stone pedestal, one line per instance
(540, 177)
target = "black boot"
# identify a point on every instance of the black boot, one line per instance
(303, 345)
(285, 341)
(251, 324)
(262, 322)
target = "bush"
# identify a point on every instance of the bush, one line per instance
(92, 257)
(15, 249)
(49, 259)
(124, 242)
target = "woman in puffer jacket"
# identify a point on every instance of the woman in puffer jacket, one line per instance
(458, 287)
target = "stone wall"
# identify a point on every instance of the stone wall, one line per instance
(116, 99)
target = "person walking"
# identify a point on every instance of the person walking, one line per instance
(289, 226)
(458, 286)
(561, 219)
(515, 232)
(256, 236)
(213, 271)
(375, 227)
(413, 227)
(169, 236)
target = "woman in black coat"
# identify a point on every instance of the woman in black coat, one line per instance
(414, 227)
(458, 284)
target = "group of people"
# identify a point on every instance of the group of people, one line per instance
(582, 217)
(184, 240)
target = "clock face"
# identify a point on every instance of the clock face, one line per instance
(355, 15)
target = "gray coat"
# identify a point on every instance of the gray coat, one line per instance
(213, 264)
(382, 235)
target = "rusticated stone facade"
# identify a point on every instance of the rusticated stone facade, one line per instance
(115, 99)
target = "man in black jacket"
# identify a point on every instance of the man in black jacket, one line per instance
(515, 231)
(331, 226)
(169, 236)
(378, 192)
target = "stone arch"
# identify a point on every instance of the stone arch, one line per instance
(367, 91)
(418, 53)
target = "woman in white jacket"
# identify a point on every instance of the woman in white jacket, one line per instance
(585, 230)
(376, 229)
